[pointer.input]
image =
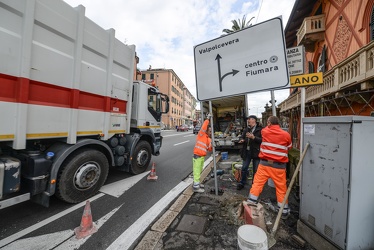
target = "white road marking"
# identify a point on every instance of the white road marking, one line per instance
(42, 242)
(116, 189)
(74, 243)
(127, 238)
(28, 230)
(189, 135)
(59, 240)
(106, 189)
(176, 144)
(170, 135)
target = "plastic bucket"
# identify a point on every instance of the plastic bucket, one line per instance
(225, 155)
(252, 237)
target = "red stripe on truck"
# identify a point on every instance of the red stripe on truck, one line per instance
(23, 90)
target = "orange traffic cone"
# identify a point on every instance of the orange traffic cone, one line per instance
(87, 227)
(152, 176)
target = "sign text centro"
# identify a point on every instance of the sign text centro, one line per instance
(249, 60)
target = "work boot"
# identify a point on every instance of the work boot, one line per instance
(251, 202)
(285, 213)
(198, 190)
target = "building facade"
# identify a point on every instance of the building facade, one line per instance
(182, 102)
(338, 39)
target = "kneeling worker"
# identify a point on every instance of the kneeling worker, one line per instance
(202, 146)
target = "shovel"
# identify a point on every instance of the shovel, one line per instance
(271, 237)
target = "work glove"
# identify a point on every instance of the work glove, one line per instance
(208, 116)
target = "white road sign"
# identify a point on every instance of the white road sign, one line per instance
(249, 60)
(295, 60)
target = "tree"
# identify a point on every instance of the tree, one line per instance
(238, 25)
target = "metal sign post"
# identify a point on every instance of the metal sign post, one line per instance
(214, 149)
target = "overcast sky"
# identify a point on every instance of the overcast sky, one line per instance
(165, 31)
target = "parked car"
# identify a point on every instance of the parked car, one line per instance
(182, 127)
(196, 129)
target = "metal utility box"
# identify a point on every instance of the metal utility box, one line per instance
(337, 180)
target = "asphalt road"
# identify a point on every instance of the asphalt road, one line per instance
(125, 207)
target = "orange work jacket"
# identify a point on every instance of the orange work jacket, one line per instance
(275, 144)
(203, 141)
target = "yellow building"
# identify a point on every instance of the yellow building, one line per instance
(182, 102)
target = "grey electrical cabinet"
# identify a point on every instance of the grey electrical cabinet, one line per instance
(337, 180)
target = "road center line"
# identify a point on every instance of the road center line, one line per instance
(189, 135)
(181, 143)
(170, 135)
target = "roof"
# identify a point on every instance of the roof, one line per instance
(300, 10)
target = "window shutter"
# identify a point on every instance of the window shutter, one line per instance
(311, 67)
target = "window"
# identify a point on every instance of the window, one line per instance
(154, 104)
(152, 76)
(151, 102)
(322, 60)
(143, 76)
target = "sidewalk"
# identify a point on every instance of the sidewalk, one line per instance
(207, 221)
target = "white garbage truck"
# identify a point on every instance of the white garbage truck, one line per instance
(69, 106)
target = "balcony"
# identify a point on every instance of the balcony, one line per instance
(354, 74)
(312, 30)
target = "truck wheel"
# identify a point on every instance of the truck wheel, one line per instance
(82, 175)
(141, 157)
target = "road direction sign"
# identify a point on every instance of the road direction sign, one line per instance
(249, 60)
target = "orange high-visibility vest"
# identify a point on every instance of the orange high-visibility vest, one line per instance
(275, 144)
(203, 141)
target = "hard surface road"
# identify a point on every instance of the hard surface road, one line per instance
(123, 209)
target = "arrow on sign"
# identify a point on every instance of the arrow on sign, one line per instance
(233, 72)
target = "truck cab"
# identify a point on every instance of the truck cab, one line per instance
(147, 107)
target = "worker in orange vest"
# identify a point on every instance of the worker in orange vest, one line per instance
(273, 159)
(202, 146)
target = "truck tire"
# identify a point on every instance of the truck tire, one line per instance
(141, 157)
(82, 175)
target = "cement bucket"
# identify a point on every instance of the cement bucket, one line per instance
(251, 237)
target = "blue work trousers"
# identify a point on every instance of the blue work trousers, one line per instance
(246, 162)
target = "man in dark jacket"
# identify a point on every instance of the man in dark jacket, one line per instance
(251, 139)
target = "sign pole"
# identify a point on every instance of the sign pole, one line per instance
(302, 115)
(202, 112)
(274, 112)
(214, 149)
